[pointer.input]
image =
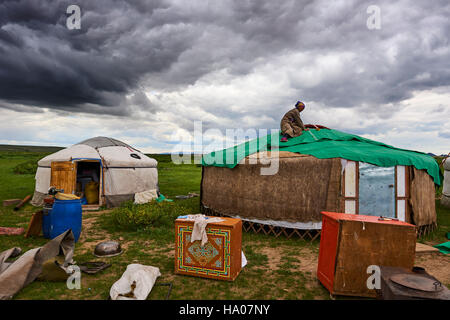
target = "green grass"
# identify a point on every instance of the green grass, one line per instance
(443, 222)
(15, 185)
(274, 269)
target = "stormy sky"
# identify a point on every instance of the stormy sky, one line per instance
(144, 71)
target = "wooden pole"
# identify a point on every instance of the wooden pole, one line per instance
(25, 200)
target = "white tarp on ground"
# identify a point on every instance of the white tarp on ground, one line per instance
(21, 272)
(146, 196)
(136, 283)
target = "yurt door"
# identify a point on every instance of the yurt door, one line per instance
(63, 176)
(376, 190)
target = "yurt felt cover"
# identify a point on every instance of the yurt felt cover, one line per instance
(101, 142)
(328, 143)
(422, 200)
(314, 186)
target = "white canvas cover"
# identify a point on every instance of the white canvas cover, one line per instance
(74, 152)
(120, 157)
(42, 179)
(129, 180)
(126, 171)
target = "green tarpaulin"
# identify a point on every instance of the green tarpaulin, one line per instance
(444, 247)
(328, 143)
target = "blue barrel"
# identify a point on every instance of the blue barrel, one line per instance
(66, 214)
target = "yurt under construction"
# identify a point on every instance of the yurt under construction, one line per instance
(321, 170)
(120, 170)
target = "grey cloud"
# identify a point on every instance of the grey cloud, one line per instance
(444, 134)
(125, 46)
(19, 108)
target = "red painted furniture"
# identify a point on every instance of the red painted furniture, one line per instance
(350, 243)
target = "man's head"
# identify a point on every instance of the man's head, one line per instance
(300, 105)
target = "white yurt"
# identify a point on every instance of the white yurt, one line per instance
(119, 170)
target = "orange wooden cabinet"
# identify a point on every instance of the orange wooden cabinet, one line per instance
(350, 243)
(220, 258)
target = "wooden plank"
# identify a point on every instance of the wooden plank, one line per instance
(423, 248)
(11, 231)
(401, 181)
(350, 179)
(11, 202)
(401, 209)
(35, 225)
(350, 206)
(90, 207)
(63, 176)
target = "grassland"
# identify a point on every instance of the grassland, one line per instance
(278, 268)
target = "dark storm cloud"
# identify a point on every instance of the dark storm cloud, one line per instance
(43, 63)
(20, 108)
(124, 46)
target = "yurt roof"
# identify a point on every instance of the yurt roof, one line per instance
(324, 144)
(111, 152)
(102, 142)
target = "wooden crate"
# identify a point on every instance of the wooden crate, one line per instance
(220, 258)
(351, 243)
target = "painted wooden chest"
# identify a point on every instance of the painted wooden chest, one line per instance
(220, 258)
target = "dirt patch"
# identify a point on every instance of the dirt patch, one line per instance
(84, 247)
(436, 264)
(308, 261)
(273, 257)
(306, 258)
(91, 234)
(165, 251)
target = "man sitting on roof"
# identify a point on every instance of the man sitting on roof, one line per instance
(291, 124)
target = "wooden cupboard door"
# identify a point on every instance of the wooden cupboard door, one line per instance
(63, 176)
